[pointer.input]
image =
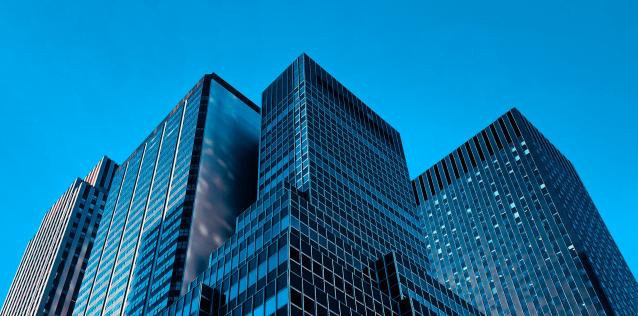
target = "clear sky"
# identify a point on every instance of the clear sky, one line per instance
(79, 80)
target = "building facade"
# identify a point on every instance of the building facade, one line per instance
(52, 266)
(173, 201)
(305, 207)
(510, 227)
(333, 231)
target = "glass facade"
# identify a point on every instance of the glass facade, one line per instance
(333, 231)
(510, 227)
(195, 165)
(305, 207)
(52, 267)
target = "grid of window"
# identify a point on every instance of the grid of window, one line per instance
(98, 246)
(140, 258)
(333, 180)
(502, 225)
(165, 279)
(49, 276)
(599, 254)
(200, 301)
(359, 189)
(154, 213)
(499, 233)
(250, 270)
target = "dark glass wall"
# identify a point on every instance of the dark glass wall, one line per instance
(144, 250)
(227, 180)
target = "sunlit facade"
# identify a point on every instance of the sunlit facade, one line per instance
(52, 267)
(173, 201)
(510, 227)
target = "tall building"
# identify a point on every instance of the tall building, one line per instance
(510, 227)
(52, 266)
(173, 201)
(333, 231)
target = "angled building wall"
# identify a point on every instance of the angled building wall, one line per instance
(180, 186)
(52, 266)
(510, 227)
(333, 230)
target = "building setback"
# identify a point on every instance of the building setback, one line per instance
(305, 207)
(173, 201)
(333, 230)
(510, 227)
(52, 266)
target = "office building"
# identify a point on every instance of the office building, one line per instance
(333, 231)
(52, 266)
(305, 207)
(510, 227)
(173, 201)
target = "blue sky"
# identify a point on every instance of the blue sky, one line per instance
(79, 80)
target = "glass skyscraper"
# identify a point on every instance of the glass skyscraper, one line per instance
(52, 267)
(173, 201)
(510, 227)
(334, 230)
(305, 207)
